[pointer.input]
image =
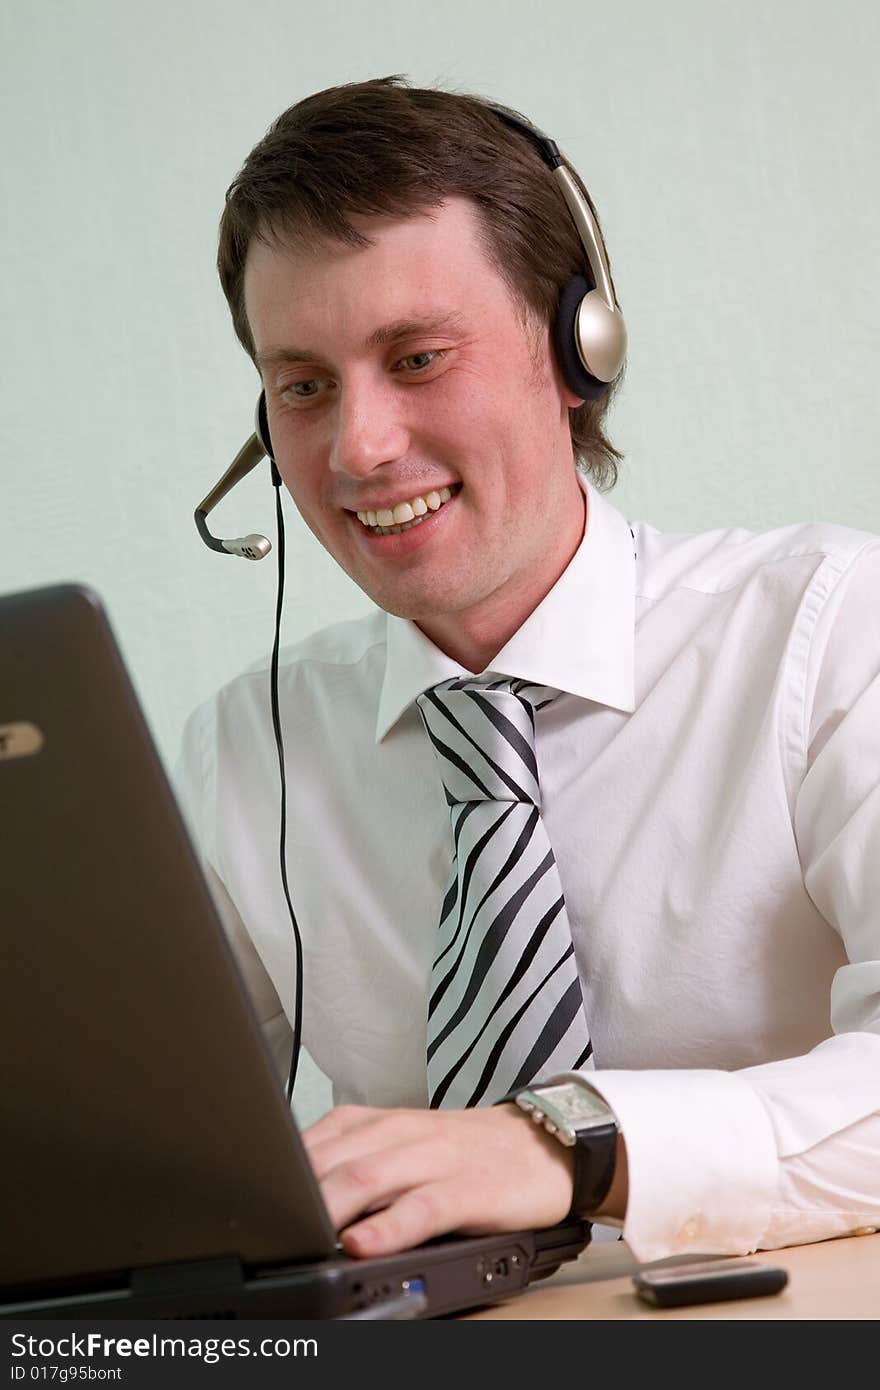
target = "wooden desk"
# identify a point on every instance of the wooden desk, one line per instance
(834, 1279)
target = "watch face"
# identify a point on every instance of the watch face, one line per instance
(575, 1105)
(567, 1108)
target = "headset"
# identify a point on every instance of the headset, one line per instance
(589, 339)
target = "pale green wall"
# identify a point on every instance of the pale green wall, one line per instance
(731, 149)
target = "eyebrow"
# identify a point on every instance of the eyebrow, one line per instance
(387, 333)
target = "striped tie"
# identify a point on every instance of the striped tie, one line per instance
(505, 1004)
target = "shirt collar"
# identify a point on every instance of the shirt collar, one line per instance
(579, 639)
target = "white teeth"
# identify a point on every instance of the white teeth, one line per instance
(405, 514)
(396, 530)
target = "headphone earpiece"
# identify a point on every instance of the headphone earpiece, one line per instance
(565, 338)
(261, 426)
(589, 338)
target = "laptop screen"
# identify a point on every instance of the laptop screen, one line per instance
(144, 1122)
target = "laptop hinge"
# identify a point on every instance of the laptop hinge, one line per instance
(200, 1275)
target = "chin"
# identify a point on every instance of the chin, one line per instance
(400, 608)
(417, 608)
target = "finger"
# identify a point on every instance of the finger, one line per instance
(432, 1209)
(375, 1179)
(383, 1130)
(342, 1119)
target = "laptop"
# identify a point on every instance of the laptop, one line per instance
(151, 1167)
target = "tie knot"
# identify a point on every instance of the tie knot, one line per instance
(483, 733)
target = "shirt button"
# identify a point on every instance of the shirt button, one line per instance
(689, 1230)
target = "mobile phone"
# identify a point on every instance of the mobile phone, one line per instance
(708, 1281)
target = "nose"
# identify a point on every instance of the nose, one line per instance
(368, 428)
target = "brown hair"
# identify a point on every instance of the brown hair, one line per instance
(385, 149)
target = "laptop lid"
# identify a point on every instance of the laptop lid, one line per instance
(118, 985)
(150, 1162)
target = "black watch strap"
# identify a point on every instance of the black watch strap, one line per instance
(595, 1159)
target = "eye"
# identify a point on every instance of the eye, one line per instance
(417, 362)
(308, 391)
(304, 390)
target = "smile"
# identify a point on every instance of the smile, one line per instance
(403, 516)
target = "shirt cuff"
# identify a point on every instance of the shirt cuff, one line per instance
(701, 1156)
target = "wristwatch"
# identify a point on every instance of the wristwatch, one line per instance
(579, 1118)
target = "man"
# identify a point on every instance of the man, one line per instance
(704, 715)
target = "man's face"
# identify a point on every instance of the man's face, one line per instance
(398, 376)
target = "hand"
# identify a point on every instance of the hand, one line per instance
(421, 1173)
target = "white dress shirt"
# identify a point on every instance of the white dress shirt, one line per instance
(710, 787)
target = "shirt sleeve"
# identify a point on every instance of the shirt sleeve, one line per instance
(787, 1152)
(195, 785)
